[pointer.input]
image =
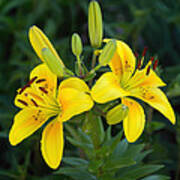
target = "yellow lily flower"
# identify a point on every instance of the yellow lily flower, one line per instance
(126, 80)
(39, 101)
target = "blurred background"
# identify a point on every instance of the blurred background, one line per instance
(140, 23)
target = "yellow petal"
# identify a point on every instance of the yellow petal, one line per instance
(45, 79)
(123, 63)
(28, 98)
(75, 83)
(26, 122)
(141, 78)
(107, 88)
(39, 41)
(52, 143)
(73, 102)
(157, 99)
(134, 123)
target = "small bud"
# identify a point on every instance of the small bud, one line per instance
(117, 114)
(52, 62)
(95, 25)
(107, 53)
(76, 44)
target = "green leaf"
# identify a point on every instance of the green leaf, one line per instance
(93, 126)
(136, 172)
(117, 163)
(75, 161)
(76, 173)
(156, 177)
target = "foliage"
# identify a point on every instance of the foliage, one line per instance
(153, 23)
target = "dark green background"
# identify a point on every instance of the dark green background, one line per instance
(152, 23)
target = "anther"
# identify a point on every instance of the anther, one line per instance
(152, 59)
(43, 90)
(22, 102)
(144, 51)
(136, 54)
(32, 80)
(34, 102)
(155, 64)
(148, 70)
(139, 64)
(22, 89)
(40, 80)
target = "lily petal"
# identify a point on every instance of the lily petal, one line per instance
(75, 83)
(157, 99)
(134, 123)
(26, 122)
(73, 102)
(52, 143)
(140, 78)
(107, 88)
(123, 63)
(39, 41)
(45, 80)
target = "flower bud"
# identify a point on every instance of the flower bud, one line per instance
(52, 62)
(117, 114)
(39, 41)
(76, 45)
(95, 25)
(107, 53)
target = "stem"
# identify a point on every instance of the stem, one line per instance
(93, 61)
(92, 67)
(79, 65)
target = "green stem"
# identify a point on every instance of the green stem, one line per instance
(92, 67)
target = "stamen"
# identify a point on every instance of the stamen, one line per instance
(152, 59)
(40, 80)
(139, 64)
(144, 51)
(136, 54)
(32, 80)
(27, 85)
(155, 64)
(22, 102)
(34, 102)
(148, 70)
(22, 89)
(43, 90)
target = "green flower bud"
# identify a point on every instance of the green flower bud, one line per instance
(52, 62)
(76, 45)
(117, 114)
(95, 25)
(107, 53)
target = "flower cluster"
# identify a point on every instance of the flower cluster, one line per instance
(46, 104)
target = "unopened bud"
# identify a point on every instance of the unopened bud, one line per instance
(107, 53)
(39, 41)
(76, 44)
(117, 114)
(52, 62)
(95, 25)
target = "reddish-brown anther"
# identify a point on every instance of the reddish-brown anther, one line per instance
(136, 54)
(144, 51)
(155, 64)
(32, 80)
(148, 70)
(34, 102)
(139, 64)
(43, 90)
(152, 59)
(40, 80)
(22, 102)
